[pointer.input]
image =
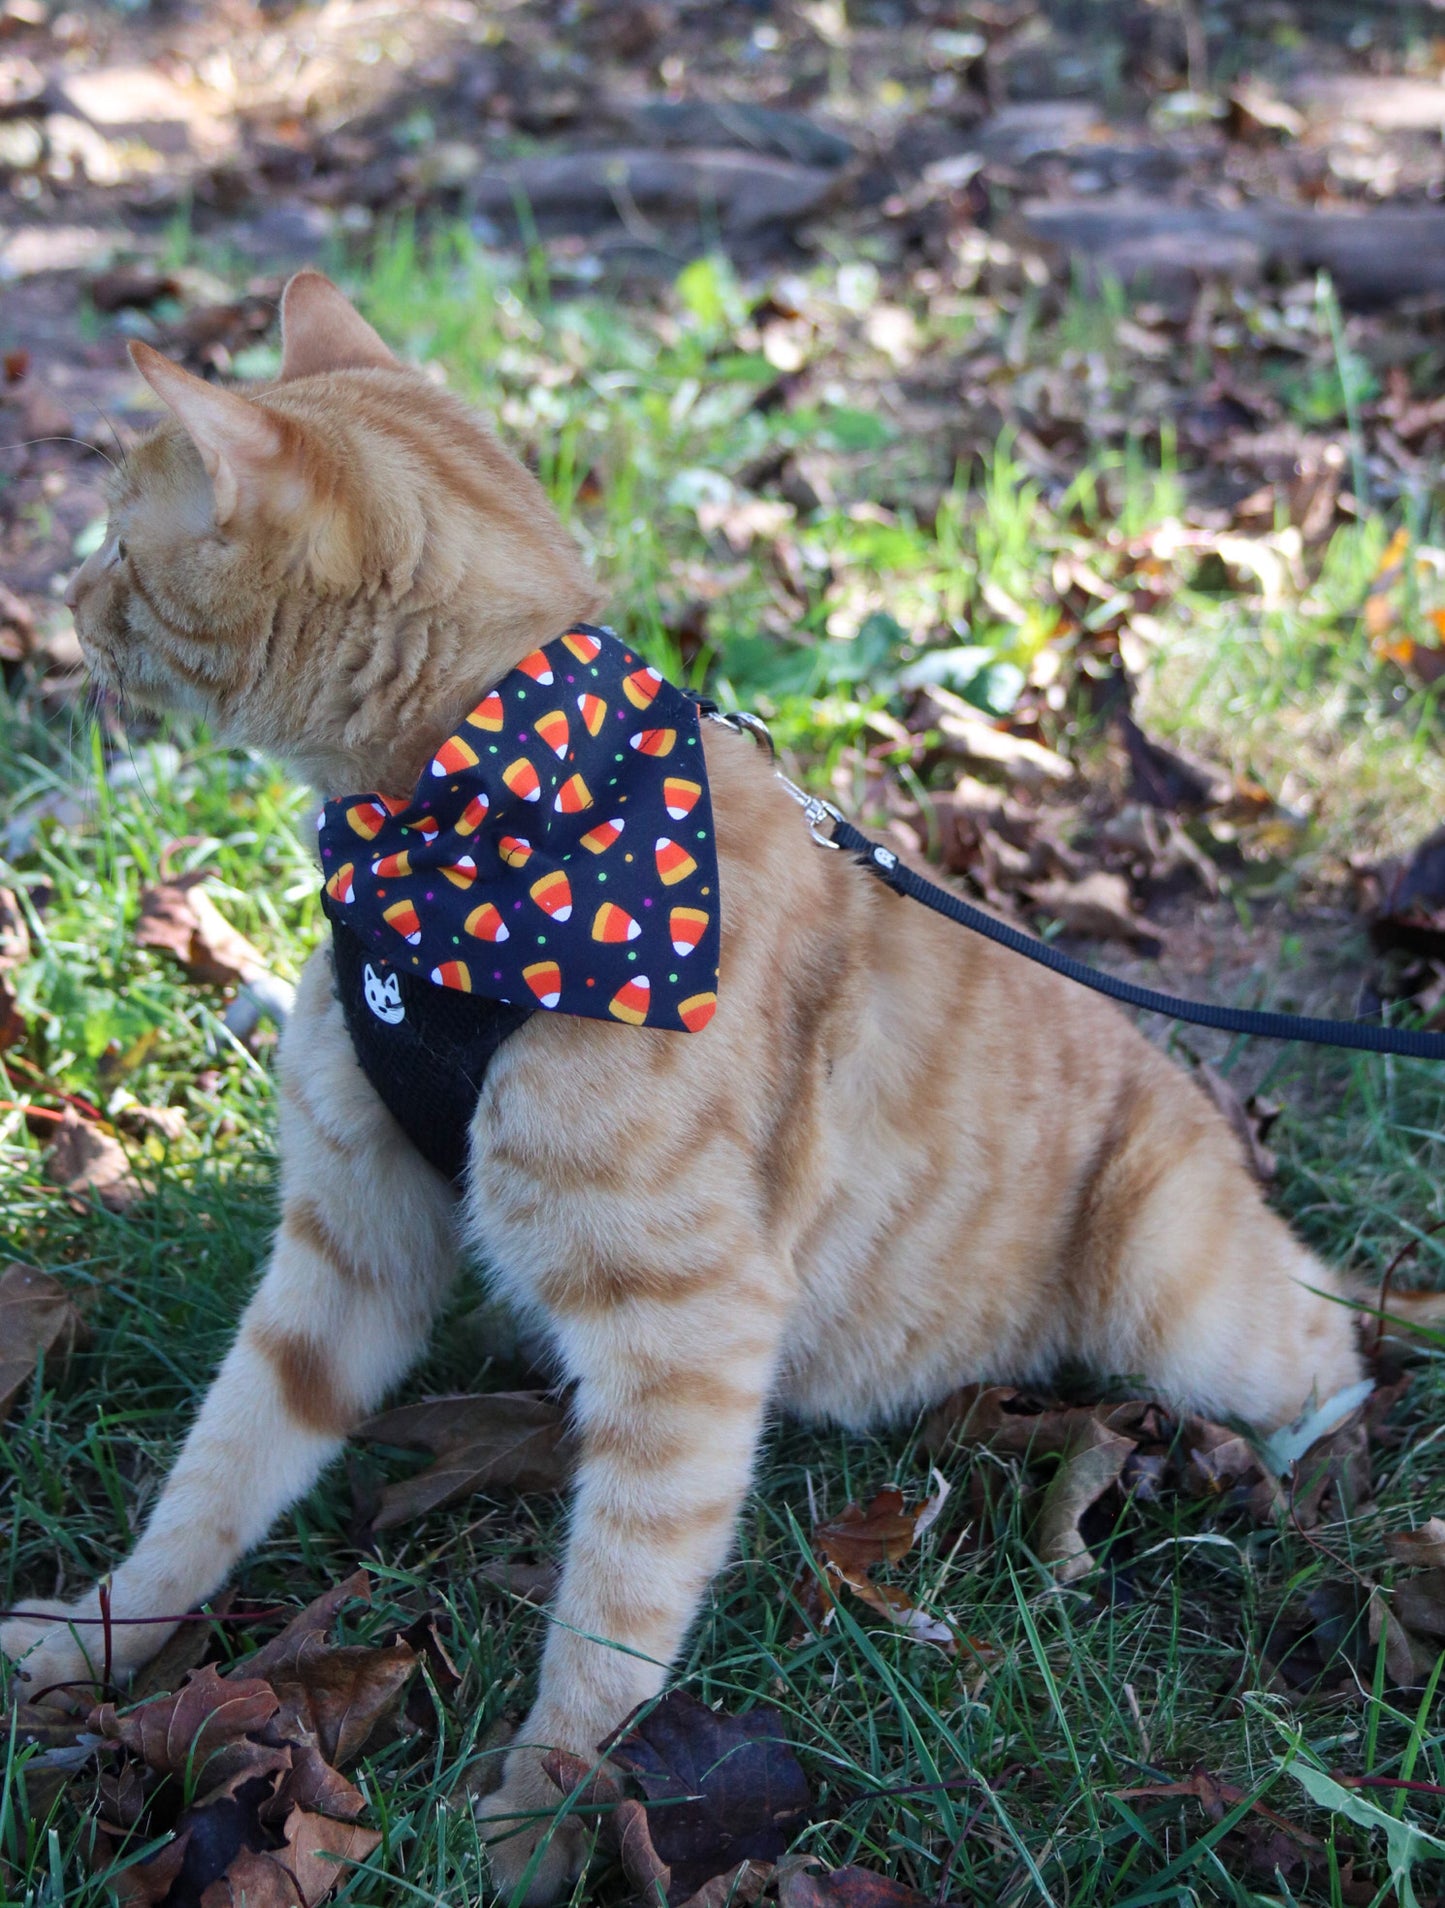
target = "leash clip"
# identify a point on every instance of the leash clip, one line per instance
(816, 811)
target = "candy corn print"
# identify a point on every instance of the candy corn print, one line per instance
(558, 851)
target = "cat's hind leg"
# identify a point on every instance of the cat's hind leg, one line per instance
(1183, 1276)
(362, 1257)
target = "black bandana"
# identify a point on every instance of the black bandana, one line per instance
(558, 852)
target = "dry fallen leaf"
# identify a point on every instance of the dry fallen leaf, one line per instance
(1251, 1120)
(973, 738)
(344, 1695)
(36, 1315)
(1217, 1797)
(1168, 778)
(306, 1631)
(14, 932)
(198, 1731)
(311, 1862)
(179, 917)
(849, 1887)
(719, 1790)
(1410, 914)
(1092, 1464)
(1137, 1444)
(512, 1438)
(1424, 1546)
(272, 1820)
(860, 1540)
(87, 1163)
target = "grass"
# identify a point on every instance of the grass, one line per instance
(996, 1777)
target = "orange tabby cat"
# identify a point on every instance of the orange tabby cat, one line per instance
(898, 1159)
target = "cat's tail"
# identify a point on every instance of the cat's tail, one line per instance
(1405, 1318)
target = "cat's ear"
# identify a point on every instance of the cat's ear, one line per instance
(241, 447)
(322, 331)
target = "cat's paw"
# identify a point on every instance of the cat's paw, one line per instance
(51, 1663)
(519, 1820)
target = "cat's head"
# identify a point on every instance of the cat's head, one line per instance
(332, 566)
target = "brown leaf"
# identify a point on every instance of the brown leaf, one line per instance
(1411, 912)
(1250, 1121)
(535, 1582)
(1419, 1604)
(1424, 1546)
(1091, 1465)
(168, 1122)
(1219, 1461)
(644, 1867)
(859, 1539)
(307, 1629)
(144, 1884)
(719, 1789)
(184, 1651)
(595, 1785)
(12, 1022)
(1401, 1662)
(180, 918)
(312, 1782)
(1217, 1797)
(254, 1879)
(973, 738)
(87, 1163)
(131, 285)
(345, 1694)
(735, 1888)
(191, 1732)
(849, 1887)
(425, 1637)
(518, 1439)
(122, 1794)
(1167, 778)
(318, 1848)
(36, 1315)
(1006, 1419)
(42, 1726)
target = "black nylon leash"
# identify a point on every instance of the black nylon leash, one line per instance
(831, 829)
(1365, 1035)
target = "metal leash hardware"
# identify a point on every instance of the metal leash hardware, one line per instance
(815, 810)
(895, 874)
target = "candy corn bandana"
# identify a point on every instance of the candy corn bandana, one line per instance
(558, 851)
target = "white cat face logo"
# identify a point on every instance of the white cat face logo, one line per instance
(383, 997)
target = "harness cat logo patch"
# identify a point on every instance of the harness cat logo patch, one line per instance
(383, 997)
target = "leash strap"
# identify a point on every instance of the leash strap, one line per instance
(1366, 1035)
(831, 829)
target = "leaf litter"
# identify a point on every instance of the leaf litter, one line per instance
(240, 1769)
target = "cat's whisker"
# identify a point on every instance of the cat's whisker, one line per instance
(59, 437)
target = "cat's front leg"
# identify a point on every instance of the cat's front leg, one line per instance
(362, 1257)
(673, 1392)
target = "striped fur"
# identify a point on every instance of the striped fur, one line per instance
(897, 1160)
